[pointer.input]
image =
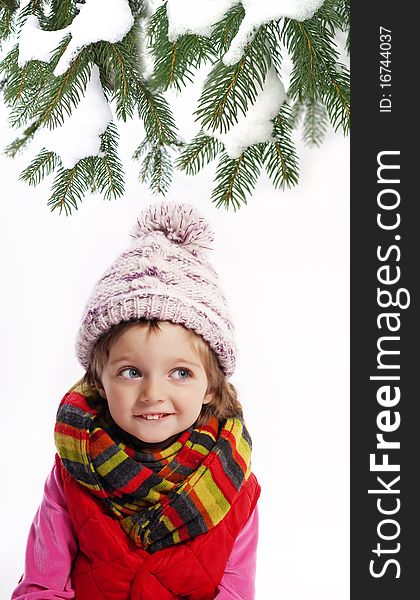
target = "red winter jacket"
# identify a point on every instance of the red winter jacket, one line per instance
(109, 566)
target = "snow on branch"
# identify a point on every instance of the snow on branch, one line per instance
(98, 20)
(256, 124)
(36, 44)
(184, 17)
(73, 60)
(79, 136)
(259, 12)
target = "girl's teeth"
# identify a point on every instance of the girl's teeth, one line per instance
(149, 417)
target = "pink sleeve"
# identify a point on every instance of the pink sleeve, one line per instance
(50, 549)
(238, 581)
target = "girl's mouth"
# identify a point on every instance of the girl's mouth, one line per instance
(153, 416)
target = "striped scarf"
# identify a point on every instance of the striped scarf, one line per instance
(161, 497)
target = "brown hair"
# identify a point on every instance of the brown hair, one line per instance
(224, 401)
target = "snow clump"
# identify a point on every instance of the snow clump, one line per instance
(79, 136)
(256, 125)
(186, 16)
(98, 20)
(37, 44)
(259, 12)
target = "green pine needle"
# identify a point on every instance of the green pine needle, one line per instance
(315, 123)
(33, 7)
(70, 186)
(141, 149)
(42, 165)
(60, 15)
(61, 94)
(280, 159)
(316, 74)
(175, 62)
(236, 178)
(23, 87)
(156, 169)
(101, 173)
(20, 143)
(119, 67)
(343, 12)
(8, 12)
(297, 112)
(199, 152)
(225, 30)
(156, 114)
(229, 89)
(108, 170)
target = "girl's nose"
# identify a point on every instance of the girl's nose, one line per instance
(152, 390)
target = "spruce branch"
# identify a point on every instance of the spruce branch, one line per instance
(61, 14)
(156, 115)
(102, 173)
(343, 12)
(8, 11)
(236, 178)
(21, 82)
(156, 169)
(19, 143)
(229, 89)
(319, 92)
(337, 99)
(175, 62)
(141, 149)
(70, 186)
(61, 94)
(33, 90)
(138, 7)
(330, 15)
(108, 171)
(274, 46)
(297, 111)
(280, 159)
(33, 7)
(23, 87)
(316, 74)
(42, 165)
(315, 123)
(119, 67)
(225, 30)
(200, 151)
(23, 112)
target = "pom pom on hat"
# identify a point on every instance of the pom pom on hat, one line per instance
(180, 223)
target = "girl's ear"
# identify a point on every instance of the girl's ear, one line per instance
(208, 398)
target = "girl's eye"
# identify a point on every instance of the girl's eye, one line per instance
(182, 374)
(130, 373)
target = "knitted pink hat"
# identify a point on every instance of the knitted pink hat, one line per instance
(164, 274)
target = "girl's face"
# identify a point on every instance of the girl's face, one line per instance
(155, 382)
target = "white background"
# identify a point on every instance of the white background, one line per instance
(283, 261)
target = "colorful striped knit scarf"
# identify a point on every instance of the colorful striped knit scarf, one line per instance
(161, 497)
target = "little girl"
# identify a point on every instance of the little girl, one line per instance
(151, 496)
